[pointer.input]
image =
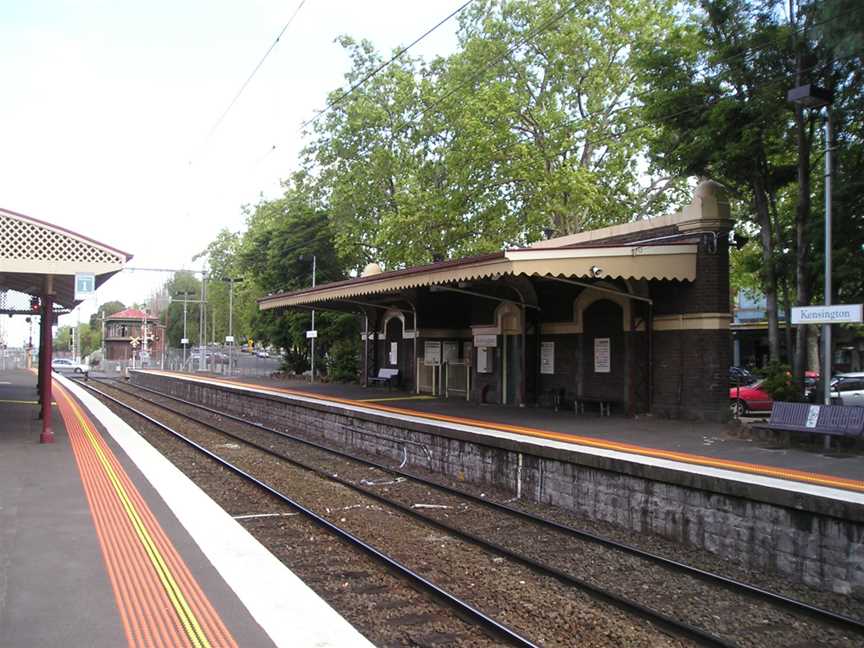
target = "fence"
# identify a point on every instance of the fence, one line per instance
(12, 359)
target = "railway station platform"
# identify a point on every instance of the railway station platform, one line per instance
(794, 511)
(689, 444)
(104, 543)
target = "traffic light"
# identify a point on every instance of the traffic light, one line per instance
(34, 304)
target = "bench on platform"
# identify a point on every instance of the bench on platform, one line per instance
(389, 376)
(825, 420)
(604, 403)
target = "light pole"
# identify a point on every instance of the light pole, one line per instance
(811, 96)
(312, 337)
(184, 342)
(231, 281)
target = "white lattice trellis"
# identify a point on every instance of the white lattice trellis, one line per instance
(20, 239)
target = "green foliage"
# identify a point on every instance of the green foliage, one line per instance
(343, 360)
(105, 310)
(182, 283)
(88, 337)
(777, 382)
(531, 124)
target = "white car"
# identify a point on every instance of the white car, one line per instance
(65, 365)
(848, 389)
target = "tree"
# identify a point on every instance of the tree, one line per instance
(718, 112)
(276, 254)
(531, 125)
(179, 284)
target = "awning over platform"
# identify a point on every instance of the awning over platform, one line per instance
(670, 261)
(31, 250)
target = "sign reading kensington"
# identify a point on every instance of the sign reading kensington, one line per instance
(836, 314)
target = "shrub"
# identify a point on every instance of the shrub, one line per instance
(343, 360)
(295, 362)
(778, 382)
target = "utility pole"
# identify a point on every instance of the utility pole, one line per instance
(202, 325)
(184, 342)
(314, 268)
(230, 339)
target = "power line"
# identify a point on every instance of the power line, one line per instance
(255, 70)
(378, 69)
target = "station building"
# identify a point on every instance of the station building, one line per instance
(632, 317)
(132, 324)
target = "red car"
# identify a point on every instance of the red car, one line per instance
(749, 398)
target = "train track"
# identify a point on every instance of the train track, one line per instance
(822, 621)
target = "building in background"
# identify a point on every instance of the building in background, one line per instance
(126, 327)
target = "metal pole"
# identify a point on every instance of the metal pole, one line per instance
(314, 269)
(231, 326)
(826, 328)
(202, 326)
(366, 351)
(185, 302)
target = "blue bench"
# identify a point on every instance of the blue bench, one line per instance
(825, 420)
(389, 376)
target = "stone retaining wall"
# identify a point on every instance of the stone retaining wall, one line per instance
(810, 539)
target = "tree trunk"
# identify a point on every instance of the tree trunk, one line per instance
(802, 244)
(812, 348)
(769, 274)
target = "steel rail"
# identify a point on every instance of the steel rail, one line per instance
(780, 600)
(495, 627)
(680, 628)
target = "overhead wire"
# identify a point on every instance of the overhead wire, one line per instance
(356, 86)
(255, 70)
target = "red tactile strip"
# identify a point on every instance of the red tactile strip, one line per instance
(159, 601)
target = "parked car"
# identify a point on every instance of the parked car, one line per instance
(741, 376)
(262, 353)
(749, 398)
(848, 389)
(65, 365)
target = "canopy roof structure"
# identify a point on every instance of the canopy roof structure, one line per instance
(673, 261)
(36, 256)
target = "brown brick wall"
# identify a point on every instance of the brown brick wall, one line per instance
(691, 374)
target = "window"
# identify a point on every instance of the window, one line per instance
(853, 384)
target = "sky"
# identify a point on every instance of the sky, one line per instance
(108, 109)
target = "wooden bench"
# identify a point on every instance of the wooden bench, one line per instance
(604, 403)
(826, 420)
(389, 376)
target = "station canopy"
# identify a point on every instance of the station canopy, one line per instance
(671, 261)
(32, 251)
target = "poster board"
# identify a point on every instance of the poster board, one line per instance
(484, 360)
(394, 353)
(547, 357)
(431, 353)
(602, 355)
(451, 351)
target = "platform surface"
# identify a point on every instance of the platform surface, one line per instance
(709, 448)
(68, 573)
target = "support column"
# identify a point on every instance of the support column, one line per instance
(45, 354)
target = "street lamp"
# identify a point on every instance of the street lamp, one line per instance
(184, 342)
(231, 281)
(811, 96)
(312, 337)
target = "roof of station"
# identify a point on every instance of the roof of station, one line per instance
(131, 314)
(32, 250)
(670, 261)
(646, 254)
